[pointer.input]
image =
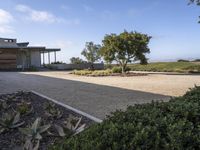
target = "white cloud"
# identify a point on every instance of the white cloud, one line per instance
(5, 19)
(38, 16)
(44, 16)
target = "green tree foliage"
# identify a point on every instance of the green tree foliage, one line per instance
(91, 52)
(125, 48)
(195, 1)
(76, 60)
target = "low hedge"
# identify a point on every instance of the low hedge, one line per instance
(158, 125)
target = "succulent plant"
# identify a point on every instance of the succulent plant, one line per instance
(60, 130)
(74, 124)
(30, 145)
(52, 111)
(4, 105)
(24, 108)
(10, 121)
(34, 132)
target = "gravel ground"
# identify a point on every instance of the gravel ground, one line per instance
(164, 84)
(87, 94)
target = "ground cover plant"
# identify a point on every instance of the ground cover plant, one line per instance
(184, 67)
(115, 71)
(29, 122)
(157, 125)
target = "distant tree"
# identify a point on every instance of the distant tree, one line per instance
(76, 60)
(183, 60)
(91, 52)
(125, 48)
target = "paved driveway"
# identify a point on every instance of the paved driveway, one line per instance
(97, 100)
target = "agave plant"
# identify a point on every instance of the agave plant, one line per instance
(10, 121)
(33, 134)
(29, 145)
(52, 111)
(74, 124)
(4, 105)
(24, 108)
(35, 131)
(60, 131)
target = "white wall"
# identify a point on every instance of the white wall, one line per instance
(35, 58)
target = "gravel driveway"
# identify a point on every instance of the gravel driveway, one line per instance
(95, 99)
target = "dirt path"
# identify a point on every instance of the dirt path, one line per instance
(172, 85)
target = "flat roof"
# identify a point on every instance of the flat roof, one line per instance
(51, 50)
(39, 48)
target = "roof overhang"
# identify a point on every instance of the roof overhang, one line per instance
(47, 50)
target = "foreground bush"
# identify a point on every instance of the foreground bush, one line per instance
(165, 125)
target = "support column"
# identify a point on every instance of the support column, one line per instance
(49, 57)
(43, 59)
(55, 56)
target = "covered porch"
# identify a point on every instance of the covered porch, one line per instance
(46, 53)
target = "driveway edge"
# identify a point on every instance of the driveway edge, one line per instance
(69, 107)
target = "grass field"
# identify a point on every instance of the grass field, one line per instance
(184, 67)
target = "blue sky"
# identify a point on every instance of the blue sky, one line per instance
(68, 24)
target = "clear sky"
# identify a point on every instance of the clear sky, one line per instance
(68, 24)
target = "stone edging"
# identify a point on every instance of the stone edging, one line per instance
(69, 107)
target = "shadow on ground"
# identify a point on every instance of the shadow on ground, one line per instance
(97, 100)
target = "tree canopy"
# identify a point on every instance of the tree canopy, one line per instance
(91, 52)
(125, 48)
(195, 1)
(76, 60)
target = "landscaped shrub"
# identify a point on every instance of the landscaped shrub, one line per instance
(158, 125)
(193, 69)
(82, 72)
(102, 72)
(117, 70)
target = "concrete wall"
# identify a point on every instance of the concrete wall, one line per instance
(8, 42)
(99, 66)
(35, 58)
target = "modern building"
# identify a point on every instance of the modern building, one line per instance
(15, 55)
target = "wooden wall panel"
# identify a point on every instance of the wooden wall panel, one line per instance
(8, 59)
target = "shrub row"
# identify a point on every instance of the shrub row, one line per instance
(157, 125)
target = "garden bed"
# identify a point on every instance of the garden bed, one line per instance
(102, 73)
(29, 120)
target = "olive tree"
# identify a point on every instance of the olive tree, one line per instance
(125, 48)
(91, 52)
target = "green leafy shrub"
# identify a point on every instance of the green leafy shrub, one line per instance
(101, 72)
(93, 73)
(193, 69)
(117, 70)
(157, 125)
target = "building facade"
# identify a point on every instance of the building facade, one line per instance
(15, 55)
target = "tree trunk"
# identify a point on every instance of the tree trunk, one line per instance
(123, 68)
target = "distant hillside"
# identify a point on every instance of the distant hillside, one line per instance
(184, 67)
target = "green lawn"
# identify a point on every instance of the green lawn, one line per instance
(184, 67)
